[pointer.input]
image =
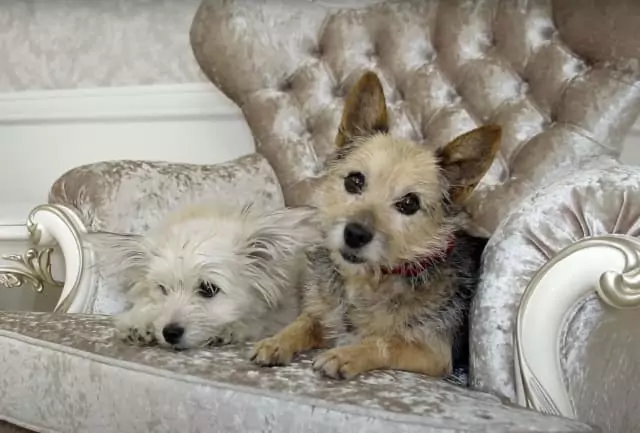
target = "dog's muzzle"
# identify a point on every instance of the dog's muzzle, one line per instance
(173, 333)
(356, 235)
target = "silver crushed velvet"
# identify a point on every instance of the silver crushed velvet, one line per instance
(596, 198)
(561, 95)
(77, 376)
(562, 80)
(132, 196)
(601, 349)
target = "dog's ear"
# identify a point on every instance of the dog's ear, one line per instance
(274, 238)
(282, 232)
(466, 159)
(117, 252)
(365, 110)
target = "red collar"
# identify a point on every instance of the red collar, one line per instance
(413, 269)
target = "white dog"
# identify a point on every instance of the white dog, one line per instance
(209, 274)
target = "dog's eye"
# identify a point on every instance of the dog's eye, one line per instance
(354, 182)
(208, 289)
(163, 289)
(408, 205)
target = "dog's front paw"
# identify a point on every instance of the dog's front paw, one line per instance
(140, 334)
(340, 363)
(272, 352)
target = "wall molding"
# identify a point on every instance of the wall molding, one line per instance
(52, 131)
(153, 102)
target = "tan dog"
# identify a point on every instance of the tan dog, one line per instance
(391, 286)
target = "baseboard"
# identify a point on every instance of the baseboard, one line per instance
(116, 103)
(45, 133)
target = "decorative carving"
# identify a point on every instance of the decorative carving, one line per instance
(34, 267)
(10, 280)
(611, 266)
(622, 289)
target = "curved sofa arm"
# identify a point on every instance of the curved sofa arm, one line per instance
(49, 233)
(608, 265)
(585, 204)
(60, 225)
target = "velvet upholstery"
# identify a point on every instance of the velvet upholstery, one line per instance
(66, 373)
(562, 81)
(446, 66)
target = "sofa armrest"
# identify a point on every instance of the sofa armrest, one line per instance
(584, 204)
(576, 345)
(131, 196)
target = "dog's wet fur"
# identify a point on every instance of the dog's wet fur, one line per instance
(385, 205)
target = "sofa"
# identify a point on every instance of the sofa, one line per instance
(564, 84)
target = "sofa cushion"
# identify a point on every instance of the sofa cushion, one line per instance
(77, 378)
(446, 67)
(132, 196)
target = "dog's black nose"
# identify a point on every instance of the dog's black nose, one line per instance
(172, 333)
(356, 235)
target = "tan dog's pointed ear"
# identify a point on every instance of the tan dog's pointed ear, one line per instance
(365, 110)
(466, 159)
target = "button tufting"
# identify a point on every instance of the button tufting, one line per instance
(316, 52)
(338, 91)
(308, 127)
(547, 32)
(430, 57)
(372, 53)
(286, 85)
(581, 67)
(453, 97)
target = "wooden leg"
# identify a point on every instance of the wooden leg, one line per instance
(305, 333)
(375, 353)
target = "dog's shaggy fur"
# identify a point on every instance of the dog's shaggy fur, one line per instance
(391, 285)
(209, 274)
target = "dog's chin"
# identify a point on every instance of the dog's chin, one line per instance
(181, 347)
(352, 258)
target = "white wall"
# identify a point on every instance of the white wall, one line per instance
(87, 80)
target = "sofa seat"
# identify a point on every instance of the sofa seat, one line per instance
(77, 378)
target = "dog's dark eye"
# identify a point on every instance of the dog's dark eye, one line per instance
(354, 182)
(163, 289)
(208, 289)
(408, 205)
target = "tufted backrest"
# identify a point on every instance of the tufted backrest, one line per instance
(560, 77)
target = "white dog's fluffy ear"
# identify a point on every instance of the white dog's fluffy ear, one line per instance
(118, 253)
(274, 240)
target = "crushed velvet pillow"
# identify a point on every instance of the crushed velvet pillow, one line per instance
(131, 196)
